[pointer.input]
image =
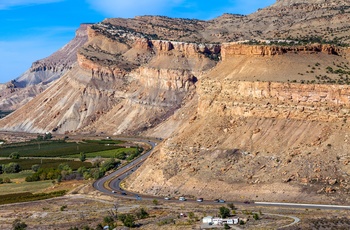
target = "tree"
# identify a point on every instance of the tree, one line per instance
(224, 212)
(35, 168)
(18, 225)
(12, 168)
(14, 155)
(226, 226)
(47, 136)
(129, 221)
(82, 157)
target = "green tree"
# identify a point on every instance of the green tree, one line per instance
(12, 168)
(224, 212)
(47, 136)
(82, 157)
(65, 170)
(14, 156)
(226, 226)
(129, 221)
(18, 225)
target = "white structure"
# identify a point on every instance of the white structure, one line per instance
(219, 221)
(207, 220)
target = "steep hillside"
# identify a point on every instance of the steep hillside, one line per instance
(254, 135)
(252, 107)
(124, 83)
(35, 80)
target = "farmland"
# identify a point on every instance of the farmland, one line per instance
(44, 163)
(54, 148)
(26, 164)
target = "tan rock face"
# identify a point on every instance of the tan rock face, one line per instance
(233, 49)
(275, 100)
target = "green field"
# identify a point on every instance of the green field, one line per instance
(31, 187)
(20, 175)
(28, 196)
(56, 148)
(26, 164)
(107, 153)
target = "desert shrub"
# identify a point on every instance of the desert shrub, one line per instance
(256, 216)
(18, 225)
(129, 221)
(224, 212)
(142, 214)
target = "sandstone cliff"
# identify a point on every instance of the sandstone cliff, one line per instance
(268, 120)
(259, 140)
(125, 83)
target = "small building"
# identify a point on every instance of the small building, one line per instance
(220, 221)
(207, 220)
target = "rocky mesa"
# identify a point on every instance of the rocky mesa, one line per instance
(251, 107)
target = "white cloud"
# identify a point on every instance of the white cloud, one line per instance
(6, 4)
(131, 8)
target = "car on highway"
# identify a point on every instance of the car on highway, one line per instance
(246, 202)
(182, 198)
(167, 198)
(200, 200)
(124, 193)
(113, 191)
(219, 200)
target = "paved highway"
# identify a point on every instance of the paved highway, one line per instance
(110, 185)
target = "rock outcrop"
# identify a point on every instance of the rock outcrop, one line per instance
(42, 73)
(254, 106)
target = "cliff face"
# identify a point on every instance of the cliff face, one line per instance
(238, 119)
(124, 83)
(268, 140)
(42, 72)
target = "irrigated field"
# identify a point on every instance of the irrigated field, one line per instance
(26, 164)
(53, 148)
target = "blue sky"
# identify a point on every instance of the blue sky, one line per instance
(34, 29)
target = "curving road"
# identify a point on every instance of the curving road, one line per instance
(110, 185)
